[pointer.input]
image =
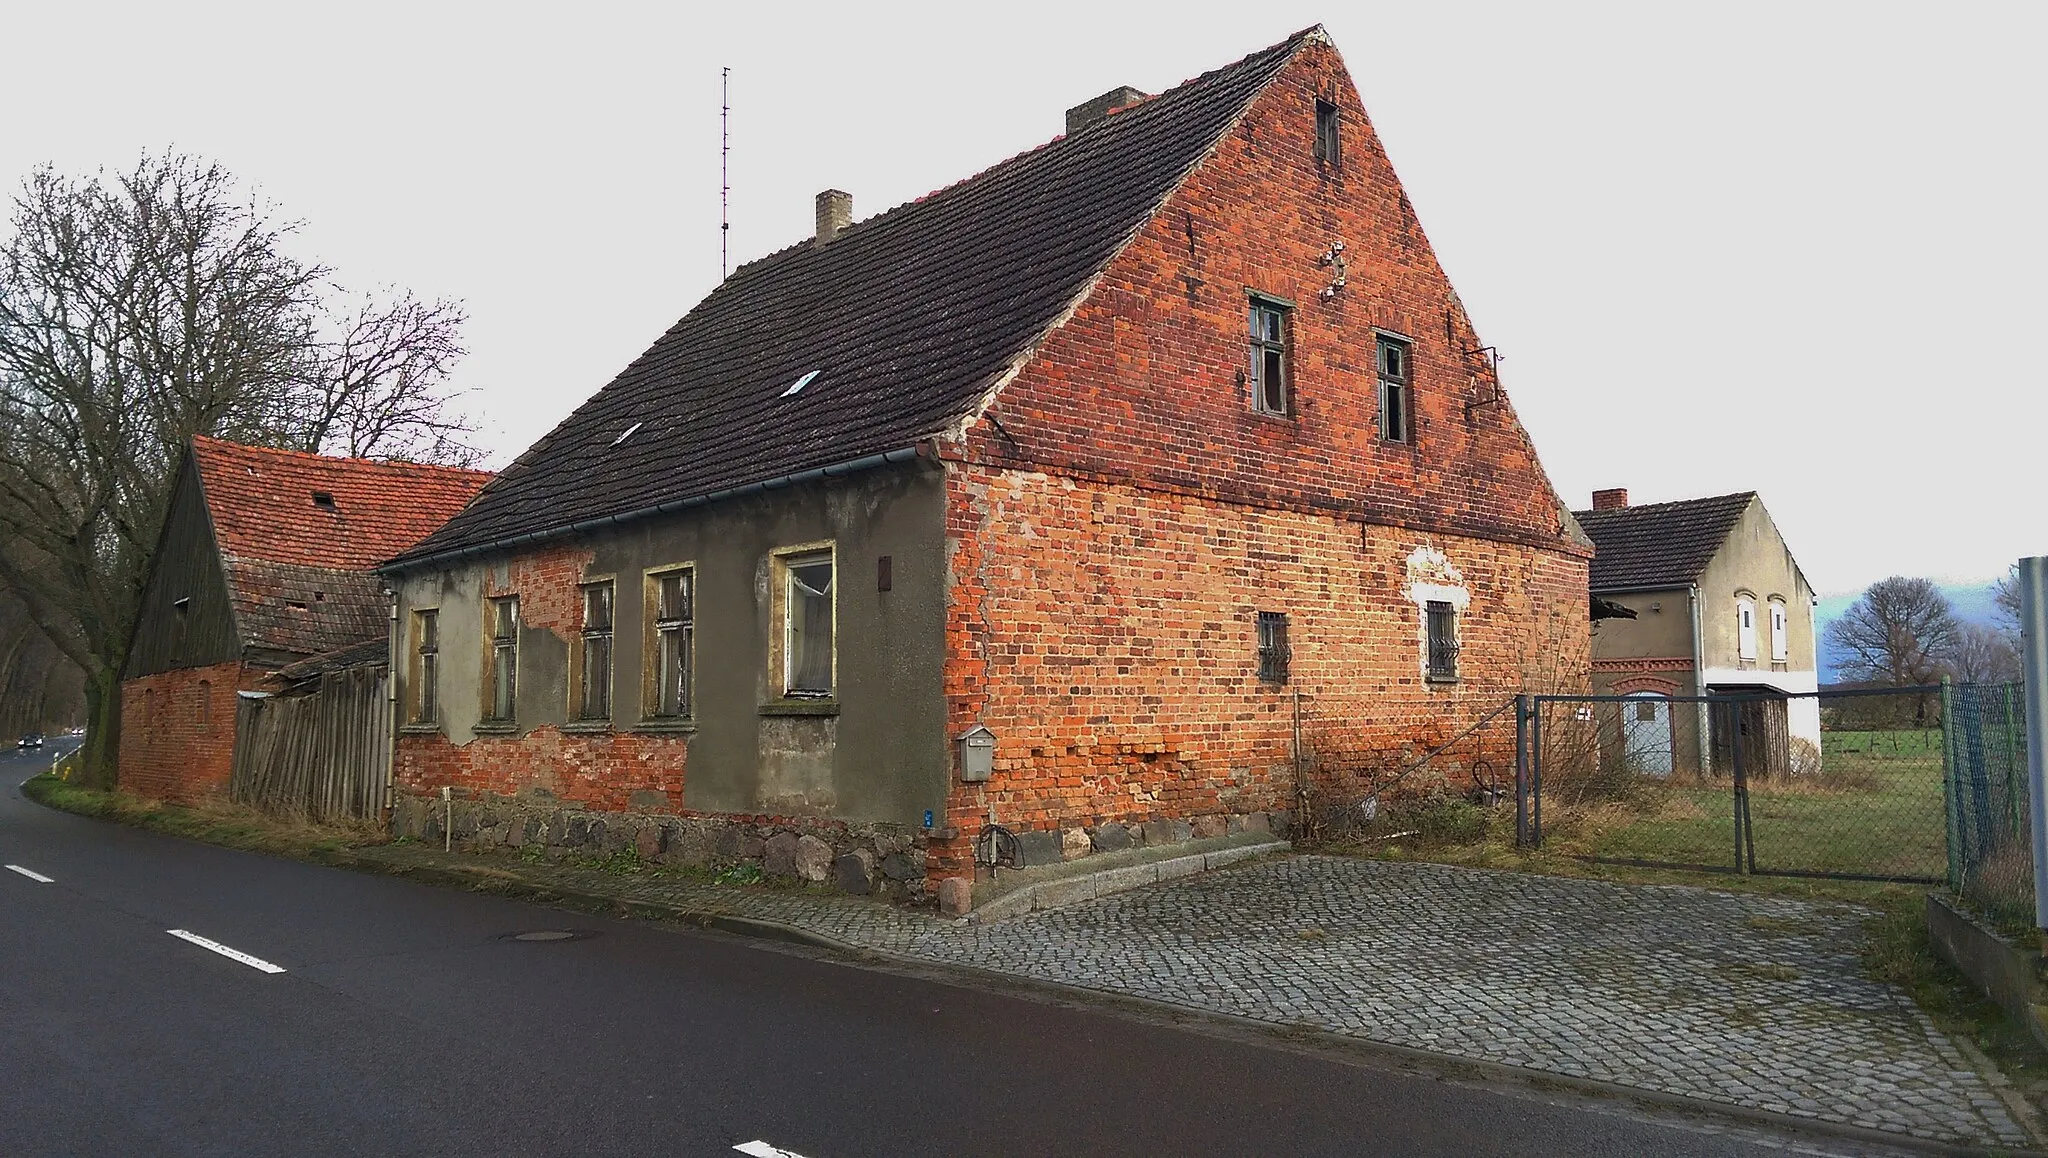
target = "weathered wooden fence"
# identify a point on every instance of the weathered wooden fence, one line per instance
(322, 754)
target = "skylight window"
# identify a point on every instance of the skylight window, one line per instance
(628, 433)
(800, 383)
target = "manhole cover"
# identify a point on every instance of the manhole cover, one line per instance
(547, 935)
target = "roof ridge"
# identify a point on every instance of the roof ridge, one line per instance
(1750, 494)
(211, 443)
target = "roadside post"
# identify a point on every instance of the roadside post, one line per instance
(2034, 661)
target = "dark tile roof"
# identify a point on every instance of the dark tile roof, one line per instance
(1659, 544)
(908, 318)
(298, 571)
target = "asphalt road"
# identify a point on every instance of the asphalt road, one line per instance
(405, 1022)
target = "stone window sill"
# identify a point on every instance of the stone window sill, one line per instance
(587, 727)
(1441, 679)
(419, 729)
(800, 708)
(666, 724)
(497, 728)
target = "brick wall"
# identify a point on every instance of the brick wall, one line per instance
(178, 732)
(1107, 635)
(1112, 545)
(612, 771)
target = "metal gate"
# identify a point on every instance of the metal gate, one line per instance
(1845, 784)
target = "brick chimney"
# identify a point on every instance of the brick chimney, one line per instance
(1612, 499)
(1082, 115)
(835, 212)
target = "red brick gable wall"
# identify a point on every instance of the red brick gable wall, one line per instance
(178, 732)
(1113, 542)
(1146, 383)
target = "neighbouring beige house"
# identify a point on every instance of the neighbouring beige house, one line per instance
(1721, 607)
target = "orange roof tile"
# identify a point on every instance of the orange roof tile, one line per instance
(267, 504)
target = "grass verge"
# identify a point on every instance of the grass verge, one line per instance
(231, 825)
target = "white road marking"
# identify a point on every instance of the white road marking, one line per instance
(32, 874)
(764, 1150)
(223, 950)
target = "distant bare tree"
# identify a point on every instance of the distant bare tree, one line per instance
(140, 309)
(1898, 633)
(2005, 596)
(1983, 655)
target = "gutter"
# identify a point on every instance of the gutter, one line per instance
(836, 470)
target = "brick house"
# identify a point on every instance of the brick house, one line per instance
(1720, 608)
(1090, 462)
(264, 561)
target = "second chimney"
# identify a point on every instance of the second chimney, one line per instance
(1610, 500)
(835, 212)
(1082, 115)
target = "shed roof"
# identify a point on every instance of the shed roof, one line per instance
(1659, 544)
(907, 320)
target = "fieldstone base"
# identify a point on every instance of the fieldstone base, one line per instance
(865, 859)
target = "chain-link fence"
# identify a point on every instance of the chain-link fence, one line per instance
(1991, 860)
(1845, 784)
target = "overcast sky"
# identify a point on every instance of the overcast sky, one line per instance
(1794, 248)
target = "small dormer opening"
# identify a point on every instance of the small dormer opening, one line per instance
(1328, 147)
(324, 500)
(295, 604)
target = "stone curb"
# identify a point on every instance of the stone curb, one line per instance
(1073, 890)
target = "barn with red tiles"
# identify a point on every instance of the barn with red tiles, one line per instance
(264, 562)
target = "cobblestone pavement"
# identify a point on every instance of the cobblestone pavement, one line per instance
(1744, 1000)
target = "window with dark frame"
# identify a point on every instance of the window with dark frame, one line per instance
(1329, 150)
(675, 637)
(807, 626)
(1269, 357)
(1397, 376)
(1273, 650)
(426, 668)
(1443, 640)
(504, 653)
(596, 673)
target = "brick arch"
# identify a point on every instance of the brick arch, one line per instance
(1645, 683)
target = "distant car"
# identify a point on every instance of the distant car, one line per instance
(32, 740)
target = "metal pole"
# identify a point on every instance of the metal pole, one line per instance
(1522, 771)
(1536, 775)
(2034, 656)
(1741, 802)
(1952, 790)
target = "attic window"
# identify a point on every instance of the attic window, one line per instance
(324, 500)
(1327, 151)
(295, 604)
(628, 433)
(800, 383)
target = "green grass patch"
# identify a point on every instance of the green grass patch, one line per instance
(231, 825)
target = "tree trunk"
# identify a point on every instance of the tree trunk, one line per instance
(99, 765)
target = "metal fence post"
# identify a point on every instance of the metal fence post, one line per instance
(1951, 789)
(1741, 801)
(1536, 774)
(1522, 770)
(2034, 656)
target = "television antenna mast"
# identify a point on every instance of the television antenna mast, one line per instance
(724, 180)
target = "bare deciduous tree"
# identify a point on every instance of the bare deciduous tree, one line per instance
(1897, 633)
(138, 310)
(1983, 655)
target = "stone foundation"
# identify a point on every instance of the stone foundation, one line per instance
(864, 859)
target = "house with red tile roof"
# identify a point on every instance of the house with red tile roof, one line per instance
(265, 561)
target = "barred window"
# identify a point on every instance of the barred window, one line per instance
(675, 637)
(596, 673)
(426, 666)
(503, 680)
(1269, 378)
(1443, 640)
(1273, 651)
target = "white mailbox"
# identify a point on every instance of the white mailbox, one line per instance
(977, 754)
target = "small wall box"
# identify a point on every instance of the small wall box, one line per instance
(977, 754)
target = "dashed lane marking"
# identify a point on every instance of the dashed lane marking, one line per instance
(32, 874)
(223, 950)
(764, 1150)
